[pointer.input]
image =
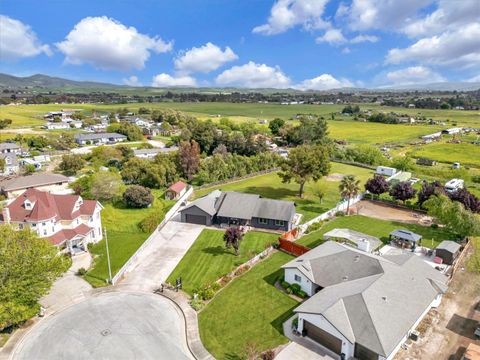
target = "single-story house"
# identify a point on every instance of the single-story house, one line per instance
(14, 186)
(234, 208)
(146, 153)
(10, 148)
(176, 191)
(451, 131)
(362, 305)
(350, 237)
(385, 170)
(57, 126)
(99, 138)
(405, 237)
(11, 166)
(448, 251)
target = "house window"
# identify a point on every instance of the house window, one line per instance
(279, 223)
(43, 224)
(298, 278)
(44, 232)
(263, 221)
(20, 226)
(34, 225)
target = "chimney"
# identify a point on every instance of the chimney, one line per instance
(6, 215)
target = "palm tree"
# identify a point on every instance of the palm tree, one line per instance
(349, 187)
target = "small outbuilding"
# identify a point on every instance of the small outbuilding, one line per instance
(175, 191)
(448, 251)
(405, 238)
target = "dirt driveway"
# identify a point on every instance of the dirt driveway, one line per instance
(386, 212)
(446, 332)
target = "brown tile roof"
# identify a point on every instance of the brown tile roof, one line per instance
(67, 234)
(177, 187)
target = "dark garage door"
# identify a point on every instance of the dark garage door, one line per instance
(196, 219)
(322, 337)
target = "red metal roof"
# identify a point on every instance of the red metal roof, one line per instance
(178, 187)
(67, 234)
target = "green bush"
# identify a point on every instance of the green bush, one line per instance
(434, 226)
(150, 223)
(82, 271)
(314, 227)
(339, 214)
(295, 288)
(285, 284)
(476, 179)
(302, 294)
(215, 286)
(288, 290)
(197, 304)
(207, 294)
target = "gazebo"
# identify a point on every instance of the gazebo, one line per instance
(405, 238)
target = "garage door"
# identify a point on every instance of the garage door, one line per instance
(196, 219)
(322, 337)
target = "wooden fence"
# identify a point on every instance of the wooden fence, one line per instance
(292, 247)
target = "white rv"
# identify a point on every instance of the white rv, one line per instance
(385, 170)
(454, 185)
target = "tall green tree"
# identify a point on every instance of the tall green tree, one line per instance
(28, 267)
(349, 187)
(71, 164)
(189, 158)
(305, 163)
(107, 185)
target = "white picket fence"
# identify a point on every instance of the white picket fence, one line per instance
(168, 216)
(341, 206)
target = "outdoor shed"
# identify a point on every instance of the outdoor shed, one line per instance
(448, 251)
(175, 191)
(405, 238)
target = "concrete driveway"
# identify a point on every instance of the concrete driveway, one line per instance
(161, 256)
(294, 351)
(110, 326)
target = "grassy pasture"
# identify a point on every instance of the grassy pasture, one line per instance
(465, 153)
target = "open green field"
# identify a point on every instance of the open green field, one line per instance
(378, 228)
(248, 310)
(124, 236)
(465, 153)
(212, 260)
(271, 186)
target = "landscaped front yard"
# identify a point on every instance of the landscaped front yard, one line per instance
(378, 228)
(124, 236)
(208, 259)
(271, 186)
(249, 310)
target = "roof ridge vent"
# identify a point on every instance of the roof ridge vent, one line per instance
(384, 298)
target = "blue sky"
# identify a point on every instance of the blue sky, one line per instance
(306, 44)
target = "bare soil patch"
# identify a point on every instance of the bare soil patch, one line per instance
(386, 212)
(335, 177)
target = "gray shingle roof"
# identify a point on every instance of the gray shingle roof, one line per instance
(406, 235)
(23, 182)
(449, 245)
(208, 204)
(379, 307)
(238, 205)
(274, 209)
(353, 236)
(8, 146)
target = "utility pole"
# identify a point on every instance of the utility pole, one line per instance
(108, 256)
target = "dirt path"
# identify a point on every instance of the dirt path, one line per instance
(447, 331)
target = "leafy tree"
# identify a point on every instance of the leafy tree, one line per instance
(154, 174)
(71, 164)
(131, 131)
(428, 190)
(137, 196)
(349, 187)
(143, 110)
(83, 186)
(275, 125)
(189, 158)
(29, 169)
(313, 129)
(57, 119)
(4, 123)
(220, 149)
(377, 185)
(467, 199)
(403, 191)
(453, 215)
(365, 154)
(403, 163)
(28, 267)
(319, 192)
(304, 163)
(232, 238)
(37, 142)
(107, 185)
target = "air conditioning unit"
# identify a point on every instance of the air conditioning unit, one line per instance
(414, 335)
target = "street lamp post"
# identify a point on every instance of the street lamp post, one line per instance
(108, 257)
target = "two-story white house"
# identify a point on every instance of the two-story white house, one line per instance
(68, 221)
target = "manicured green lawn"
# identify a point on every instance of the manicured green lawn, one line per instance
(124, 237)
(271, 186)
(248, 310)
(378, 228)
(208, 259)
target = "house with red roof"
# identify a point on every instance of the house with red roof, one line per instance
(175, 191)
(68, 221)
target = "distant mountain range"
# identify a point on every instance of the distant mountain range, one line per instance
(49, 82)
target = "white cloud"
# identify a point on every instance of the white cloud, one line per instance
(460, 47)
(382, 14)
(18, 40)
(346, 50)
(324, 82)
(332, 36)
(132, 81)
(286, 14)
(449, 15)
(364, 38)
(108, 44)
(254, 75)
(166, 80)
(414, 75)
(474, 79)
(204, 59)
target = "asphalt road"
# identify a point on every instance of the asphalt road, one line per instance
(110, 326)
